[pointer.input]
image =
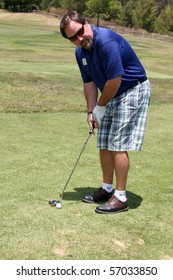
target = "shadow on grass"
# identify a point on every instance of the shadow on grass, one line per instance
(78, 193)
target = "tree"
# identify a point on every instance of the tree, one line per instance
(145, 15)
(161, 4)
(96, 7)
(45, 4)
(114, 10)
(141, 13)
(152, 15)
(21, 5)
(74, 5)
(164, 22)
(1, 4)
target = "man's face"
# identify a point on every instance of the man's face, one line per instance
(80, 35)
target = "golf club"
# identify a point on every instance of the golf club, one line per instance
(90, 133)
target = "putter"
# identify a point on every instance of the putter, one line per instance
(88, 137)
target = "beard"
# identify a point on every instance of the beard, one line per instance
(87, 43)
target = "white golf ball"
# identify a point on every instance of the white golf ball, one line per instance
(59, 205)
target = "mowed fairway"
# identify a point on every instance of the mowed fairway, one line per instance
(42, 130)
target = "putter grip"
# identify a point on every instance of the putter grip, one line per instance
(92, 129)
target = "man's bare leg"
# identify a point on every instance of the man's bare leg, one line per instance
(118, 162)
(107, 165)
(121, 166)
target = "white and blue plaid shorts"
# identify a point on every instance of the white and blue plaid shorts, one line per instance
(123, 126)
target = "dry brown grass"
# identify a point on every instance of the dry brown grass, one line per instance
(47, 20)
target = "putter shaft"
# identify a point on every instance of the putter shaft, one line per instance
(90, 132)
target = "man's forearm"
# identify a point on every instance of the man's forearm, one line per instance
(91, 95)
(109, 91)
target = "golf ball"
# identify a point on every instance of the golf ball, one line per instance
(59, 205)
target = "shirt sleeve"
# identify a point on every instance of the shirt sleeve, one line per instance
(85, 77)
(111, 57)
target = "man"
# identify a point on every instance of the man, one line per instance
(109, 64)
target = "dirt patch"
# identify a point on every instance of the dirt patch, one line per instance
(61, 252)
(141, 242)
(120, 245)
(167, 257)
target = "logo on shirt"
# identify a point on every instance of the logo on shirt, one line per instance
(84, 62)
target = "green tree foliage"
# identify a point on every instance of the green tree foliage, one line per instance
(96, 7)
(152, 15)
(1, 4)
(164, 22)
(78, 5)
(45, 4)
(21, 5)
(140, 14)
(114, 10)
(54, 3)
(161, 4)
(143, 15)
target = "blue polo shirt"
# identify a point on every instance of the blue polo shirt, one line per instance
(110, 57)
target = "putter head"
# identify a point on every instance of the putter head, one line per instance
(53, 202)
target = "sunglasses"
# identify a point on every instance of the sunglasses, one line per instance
(79, 33)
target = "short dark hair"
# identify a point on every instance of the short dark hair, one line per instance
(72, 15)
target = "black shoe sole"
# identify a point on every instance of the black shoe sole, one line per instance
(88, 201)
(98, 201)
(111, 212)
(93, 201)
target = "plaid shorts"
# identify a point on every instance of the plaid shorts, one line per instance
(123, 126)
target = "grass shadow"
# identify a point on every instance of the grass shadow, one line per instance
(133, 199)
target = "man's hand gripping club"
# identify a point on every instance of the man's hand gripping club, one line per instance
(95, 117)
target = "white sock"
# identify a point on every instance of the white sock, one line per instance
(107, 187)
(121, 195)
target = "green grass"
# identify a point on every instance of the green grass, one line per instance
(38, 68)
(37, 158)
(42, 130)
